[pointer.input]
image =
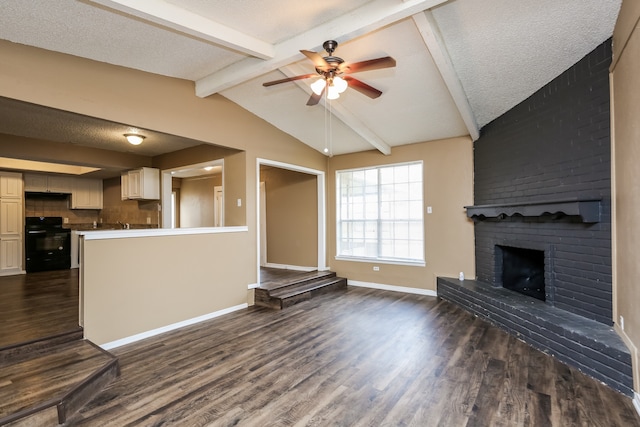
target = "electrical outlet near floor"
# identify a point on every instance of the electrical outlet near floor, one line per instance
(376, 268)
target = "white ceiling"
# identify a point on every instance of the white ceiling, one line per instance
(460, 63)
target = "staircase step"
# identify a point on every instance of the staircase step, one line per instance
(306, 286)
(61, 380)
(297, 279)
(34, 348)
(301, 289)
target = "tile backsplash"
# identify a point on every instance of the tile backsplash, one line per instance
(60, 207)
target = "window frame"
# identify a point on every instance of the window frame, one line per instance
(379, 259)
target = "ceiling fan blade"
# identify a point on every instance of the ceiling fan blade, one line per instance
(288, 79)
(317, 60)
(362, 87)
(371, 64)
(314, 99)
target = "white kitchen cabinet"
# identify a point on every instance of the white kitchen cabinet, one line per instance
(60, 184)
(87, 194)
(42, 183)
(11, 223)
(35, 182)
(142, 184)
(10, 185)
(10, 256)
(124, 185)
(10, 217)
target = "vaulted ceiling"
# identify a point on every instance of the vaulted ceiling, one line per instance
(460, 63)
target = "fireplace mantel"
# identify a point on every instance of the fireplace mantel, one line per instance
(587, 209)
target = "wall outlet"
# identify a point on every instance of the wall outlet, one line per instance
(622, 323)
(376, 268)
(66, 220)
(239, 202)
(148, 220)
(429, 209)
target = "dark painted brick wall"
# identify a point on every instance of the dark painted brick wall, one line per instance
(553, 145)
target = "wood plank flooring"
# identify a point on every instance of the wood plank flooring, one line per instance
(38, 305)
(45, 380)
(365, 358)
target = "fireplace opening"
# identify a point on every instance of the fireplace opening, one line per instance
(523, 271)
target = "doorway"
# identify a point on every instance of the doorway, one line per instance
(262, 192)
(193, 195)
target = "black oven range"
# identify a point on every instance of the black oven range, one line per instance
(47, 244)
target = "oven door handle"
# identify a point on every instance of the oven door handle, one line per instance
(37, 232)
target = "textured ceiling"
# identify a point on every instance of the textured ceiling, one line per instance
(460, 63)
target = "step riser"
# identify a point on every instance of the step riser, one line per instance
(263, 299)
(78, 397)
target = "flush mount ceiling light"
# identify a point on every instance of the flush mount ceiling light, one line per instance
(134, 138)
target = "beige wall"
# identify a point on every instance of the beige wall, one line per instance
(292, 217)
(170, 105)
(135, 285)
(449, 238)
(626, 177)
(196, 201)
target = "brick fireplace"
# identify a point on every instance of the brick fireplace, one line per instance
(542, 201)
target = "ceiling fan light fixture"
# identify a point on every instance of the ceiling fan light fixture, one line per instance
(340, 84)
(134, 138)
(318, 86)
(333, 93)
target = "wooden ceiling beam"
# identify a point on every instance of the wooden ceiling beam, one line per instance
(430, 32)
(171, 16)
(368, 18)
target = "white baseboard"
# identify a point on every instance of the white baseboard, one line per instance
(393, 288)
(253, 286)
(636, 402)
(158, 331)
(290, 267)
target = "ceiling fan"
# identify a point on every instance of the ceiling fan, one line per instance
(335, 74)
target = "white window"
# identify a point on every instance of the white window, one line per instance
(379, 214)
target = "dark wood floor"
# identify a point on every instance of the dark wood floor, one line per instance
(364, 358)
(42, 304)
(37, 305)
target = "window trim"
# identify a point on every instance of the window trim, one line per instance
(379, 260)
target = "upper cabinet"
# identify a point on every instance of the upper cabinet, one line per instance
(60, 184)
(87, 194)
(10, 185)
(141, 184)
(42, 183)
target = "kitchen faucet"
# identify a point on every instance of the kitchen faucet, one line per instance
(125, 226)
